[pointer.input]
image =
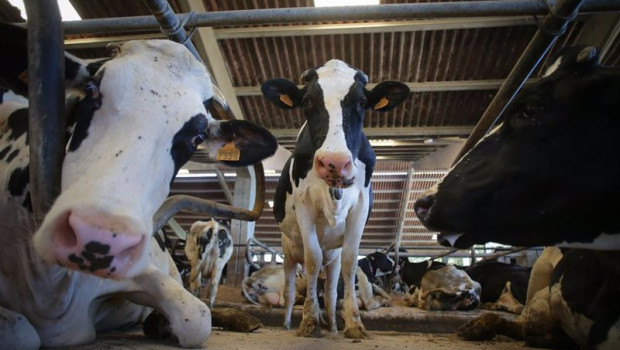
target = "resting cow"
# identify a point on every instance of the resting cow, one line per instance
(504, 286)
(266, 286)
(375, 266)
(324, 195)
(438, 286)
(549, 175)
(208, 249)
(92, 264)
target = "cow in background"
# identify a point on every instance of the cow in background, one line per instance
(324, 196)
(92, 264)
(266, 286)
(504, 286)
(437, 286)
(375, 266)
(208, 249)
(548, 175)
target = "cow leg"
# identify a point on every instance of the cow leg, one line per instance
(290, 270)
(332, 272)
(16, 331)
(188, 319)
(313, 259)
(353, 327)
(214, 283)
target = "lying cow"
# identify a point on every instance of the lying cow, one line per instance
(438, 286)
(92, 264)
(504, 286)
(375, 266)
(519, 185)
(324, 196)
(208, 248)
(266, 286)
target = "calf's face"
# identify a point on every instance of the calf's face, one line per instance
(334, 100)
(548, 174)
(144, 114)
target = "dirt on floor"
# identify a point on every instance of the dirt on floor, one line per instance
(276, 338)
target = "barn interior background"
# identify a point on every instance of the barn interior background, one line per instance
(454, 67)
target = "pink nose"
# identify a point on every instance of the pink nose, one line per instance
(104, 245)
(335, 168)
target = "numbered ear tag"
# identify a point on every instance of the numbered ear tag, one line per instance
(229, 152)
(382, 103)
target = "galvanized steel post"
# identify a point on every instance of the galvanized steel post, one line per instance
(46, 130)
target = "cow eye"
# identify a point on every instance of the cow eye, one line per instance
(198, 139)
(307, 103)
(532, 110)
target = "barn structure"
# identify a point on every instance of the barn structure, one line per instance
(462, 60)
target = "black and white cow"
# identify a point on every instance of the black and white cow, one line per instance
(549, 175)
(324, 196)
(376, 265)
(208, 248)
(504, 286)
(433, 285)
(144, 113)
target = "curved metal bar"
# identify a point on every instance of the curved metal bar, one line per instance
(174, 204)
(352, 13)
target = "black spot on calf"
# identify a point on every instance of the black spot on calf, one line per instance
(18, 181)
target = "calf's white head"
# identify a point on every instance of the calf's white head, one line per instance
(145, 113)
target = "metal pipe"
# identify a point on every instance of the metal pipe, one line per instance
(553, 25)
(46, 93)
(399, 232)
(170, 24)
(339, 13)
(174, 204)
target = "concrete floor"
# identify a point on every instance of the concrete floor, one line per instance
(397, 327)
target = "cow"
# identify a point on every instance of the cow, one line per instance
(324, 197)
(504, 286)
(376, 265)
(266, 286)
(91, 264)
(208, 248)
(521, 185)
(437, 286)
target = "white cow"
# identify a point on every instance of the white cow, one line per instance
(324, 197)
(143, 115)
(208, 248)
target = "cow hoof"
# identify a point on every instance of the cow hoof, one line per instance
(287, 325)
(357, 332)
(480, 328)
(309, 329)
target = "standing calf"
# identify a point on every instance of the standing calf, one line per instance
(324, 196)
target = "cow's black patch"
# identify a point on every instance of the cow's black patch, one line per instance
(97, 248)
(18, 123)
(5, 151)
(18, 181)
(12, 155)
(183, 146)
(223, 242)
(83, 115)
(71, 69)
(284, 187)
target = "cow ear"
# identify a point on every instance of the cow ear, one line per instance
(387, 95)
(283, 93)
(243, 143)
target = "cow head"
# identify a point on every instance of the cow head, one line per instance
(145, 113)
(550, 173)
(334, 99)
(447, 288)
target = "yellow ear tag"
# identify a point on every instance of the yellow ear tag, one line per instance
(284, 98)
(229, 152)
(382, 103)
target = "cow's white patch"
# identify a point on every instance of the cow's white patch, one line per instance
(335, 79)
(576, 325)
(553, 67)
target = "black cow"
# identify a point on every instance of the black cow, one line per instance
(548, 175)
(504, 286)
(376, 265)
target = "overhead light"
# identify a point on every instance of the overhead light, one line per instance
(67, 11)
(329, 3)
(383, 143)
(270, 204)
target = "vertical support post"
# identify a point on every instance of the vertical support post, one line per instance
(46, 127)
(244, 196)
(553, 25)
(401, 223)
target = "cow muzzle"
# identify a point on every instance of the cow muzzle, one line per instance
(102, 244)
(335, 168)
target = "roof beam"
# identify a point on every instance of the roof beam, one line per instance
(428, 86)
(394, 133)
